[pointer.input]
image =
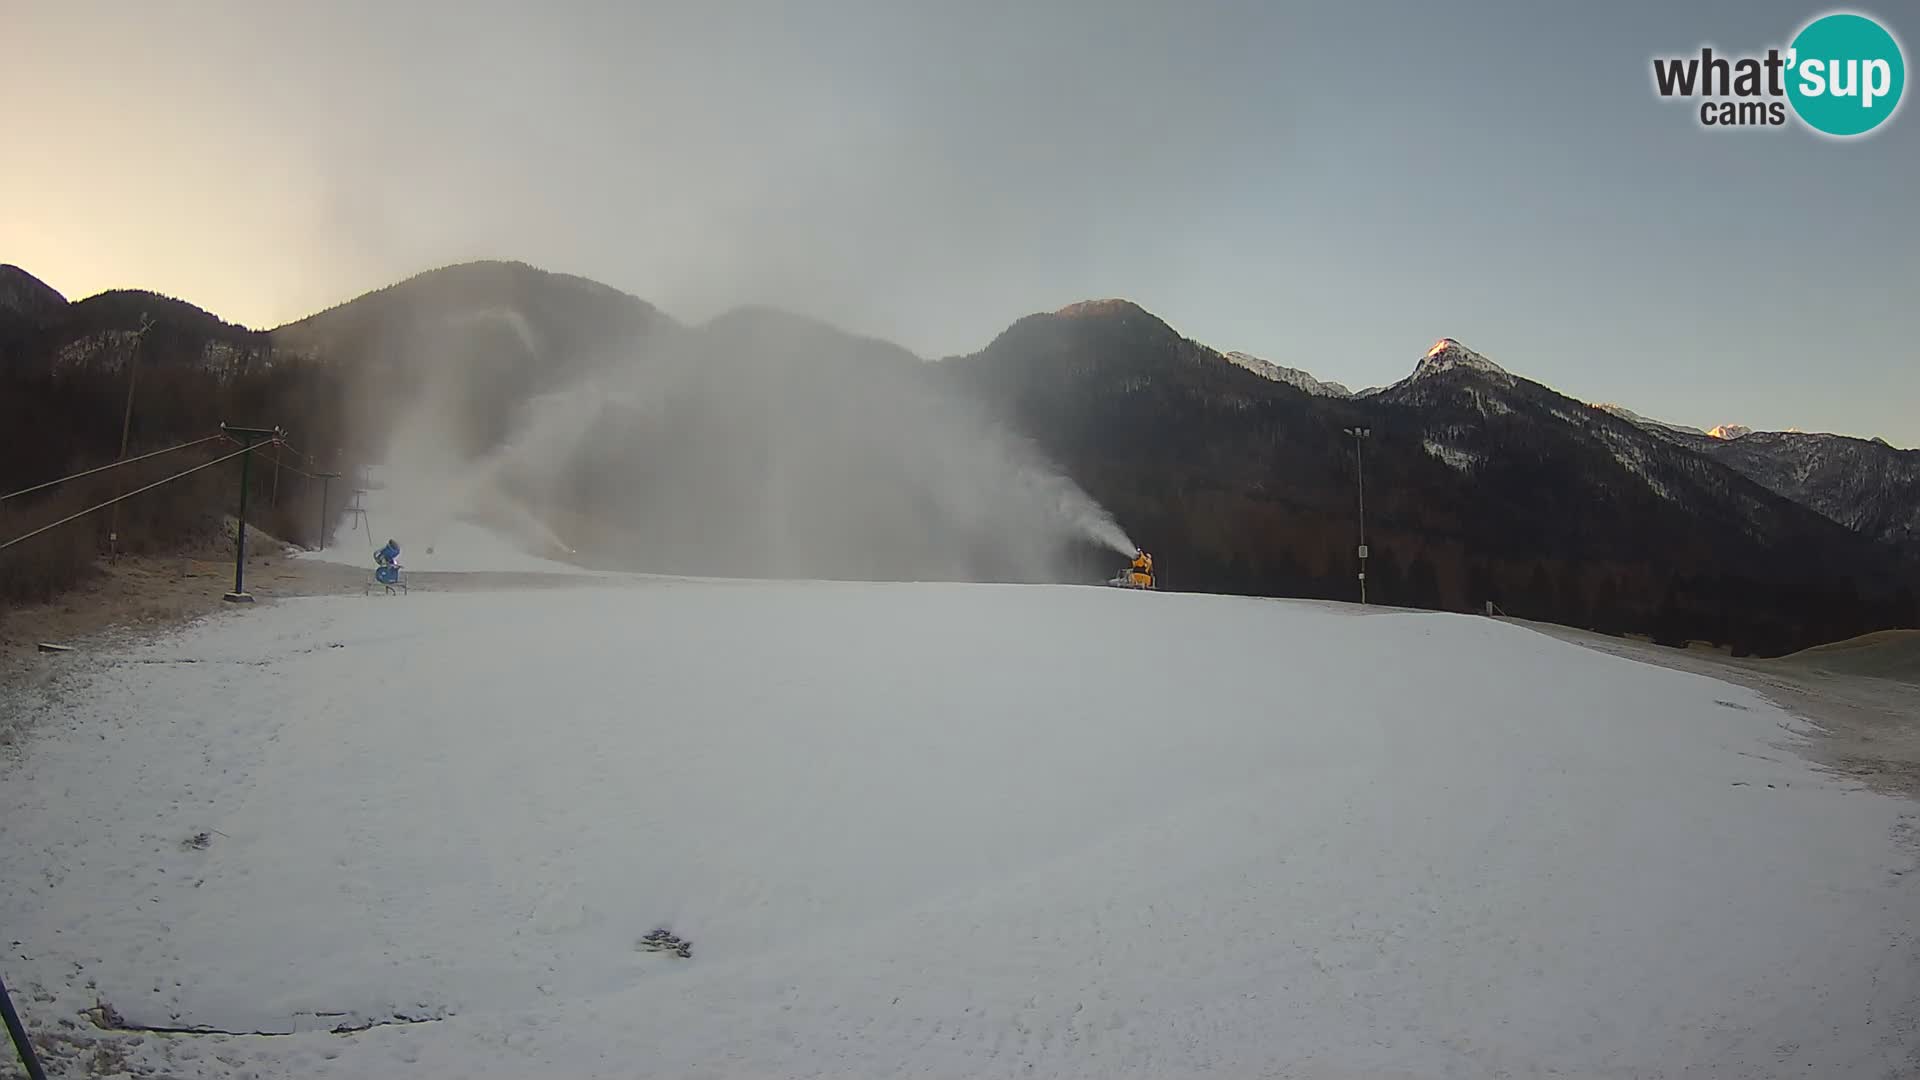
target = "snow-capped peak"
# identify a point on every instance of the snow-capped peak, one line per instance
(1729, 431)
(1447, 354)
(1649, 422)
(1294, 377)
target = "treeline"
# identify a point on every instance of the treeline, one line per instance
(60, 420)
(1230, 545)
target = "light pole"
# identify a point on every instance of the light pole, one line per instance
(1360, 480)
(126, 427)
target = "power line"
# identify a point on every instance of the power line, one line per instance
(103, 468)
(281, 463)
(300, 472)
(128, 495)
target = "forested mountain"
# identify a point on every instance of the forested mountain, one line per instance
(691, 446)
(1864, 484)
(23, 296)
(1479, 486)
(66, 369)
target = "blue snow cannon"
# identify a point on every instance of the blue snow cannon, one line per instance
(386, 570)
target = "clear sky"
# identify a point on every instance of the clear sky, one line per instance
(1330, 186)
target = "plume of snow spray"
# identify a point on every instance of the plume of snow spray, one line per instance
(428, 486)
(1062, 502)
(1094, 522)
(773, 454)
(544, 441)
(1102, 529)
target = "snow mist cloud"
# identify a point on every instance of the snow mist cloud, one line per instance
(760, 445)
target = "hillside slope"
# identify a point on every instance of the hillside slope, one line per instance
(23, 296)
(1864, 484)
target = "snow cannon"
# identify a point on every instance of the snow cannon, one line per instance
(386, 569)
(1138, 574)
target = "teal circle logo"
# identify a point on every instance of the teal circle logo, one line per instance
(1845, 73)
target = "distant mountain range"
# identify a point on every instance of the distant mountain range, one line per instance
(1294, 377)
(1865, 484)
(1481, 485)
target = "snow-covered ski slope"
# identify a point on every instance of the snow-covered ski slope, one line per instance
(424, 519)
(451, 546)
(942, 830)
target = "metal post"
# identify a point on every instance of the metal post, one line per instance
(239, 593)
(126, 427)
(1360, 481)
(250, 437)
(19, 1033)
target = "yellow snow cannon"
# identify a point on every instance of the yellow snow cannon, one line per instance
(1138, 575)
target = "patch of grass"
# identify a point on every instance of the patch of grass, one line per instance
(178, 513)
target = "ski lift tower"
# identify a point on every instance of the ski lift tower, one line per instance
(356, 508)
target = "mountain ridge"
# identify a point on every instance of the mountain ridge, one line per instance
(1481, 484)
(22, 294)
(1444, 352)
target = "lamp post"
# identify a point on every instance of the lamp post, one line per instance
(1360, 480)
(126, 427)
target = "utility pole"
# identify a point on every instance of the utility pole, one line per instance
(1360, 480)
(249, 437)
(126, 426)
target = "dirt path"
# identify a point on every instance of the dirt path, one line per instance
(1870, 727)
